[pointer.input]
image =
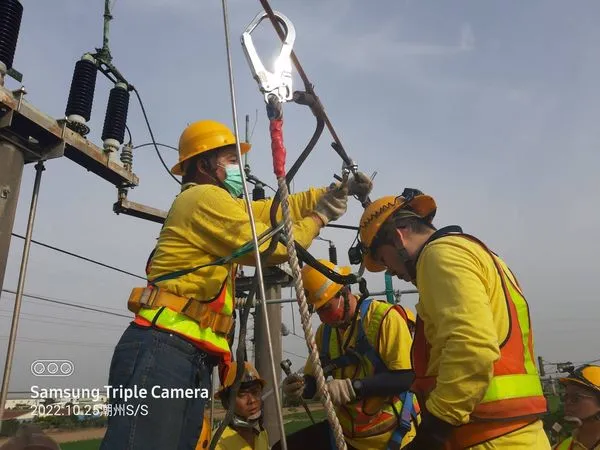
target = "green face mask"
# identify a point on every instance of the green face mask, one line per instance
(233, 180)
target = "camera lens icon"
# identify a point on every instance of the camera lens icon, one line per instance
(52, 368)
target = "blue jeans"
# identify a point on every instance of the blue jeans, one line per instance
(147, 358)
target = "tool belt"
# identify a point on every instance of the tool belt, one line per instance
(155, 297)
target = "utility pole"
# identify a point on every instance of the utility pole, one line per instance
(11, 170)
(262, 361)
(28, 136)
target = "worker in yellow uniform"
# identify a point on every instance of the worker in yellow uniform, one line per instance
(184, 314)
(365, 347)
(473, 353)
(582, 408)
(245, 432)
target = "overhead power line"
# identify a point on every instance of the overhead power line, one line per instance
(75, 255)
(73, 305)
(62, 342)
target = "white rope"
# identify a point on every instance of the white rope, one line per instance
(305, 316)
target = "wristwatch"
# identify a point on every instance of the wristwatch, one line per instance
(357, 386)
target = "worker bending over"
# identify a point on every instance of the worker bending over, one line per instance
(473, 352)
(366, 348)
(245, 432)
(184, 314)
(582, 408)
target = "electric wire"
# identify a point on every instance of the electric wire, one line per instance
(70, 322)
(287, 352)
(75, 255)
(64, 318)
(137, 94)
(62, 342)
(156, 143)
(73, 305)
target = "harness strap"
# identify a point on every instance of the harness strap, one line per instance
(154, 297)
(324, 353)
(407, 415)
(363, 346)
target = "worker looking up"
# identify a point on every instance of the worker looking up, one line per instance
(245, 432)
(184, 314)
(473, 354)
(366, 348)
(582, 408)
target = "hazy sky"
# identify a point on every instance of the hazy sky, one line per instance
(491, 107)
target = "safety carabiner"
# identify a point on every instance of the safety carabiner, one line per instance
(279, 82)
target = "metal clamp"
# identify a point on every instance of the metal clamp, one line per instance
(279, 82)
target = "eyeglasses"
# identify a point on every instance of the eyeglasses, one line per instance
(247, 393)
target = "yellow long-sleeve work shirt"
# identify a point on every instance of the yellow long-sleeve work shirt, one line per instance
(465, 319)
(205, 223)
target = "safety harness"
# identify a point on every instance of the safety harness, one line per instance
(351, 357)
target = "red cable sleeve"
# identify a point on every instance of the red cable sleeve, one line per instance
(277, 147)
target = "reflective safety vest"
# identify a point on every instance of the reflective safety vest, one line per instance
(210, 340)
(514, 397)
(375, 415)
(567, 444)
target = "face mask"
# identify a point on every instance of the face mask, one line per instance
(233, 180)
(335, 316)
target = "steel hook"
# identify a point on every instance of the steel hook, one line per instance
(279, 82)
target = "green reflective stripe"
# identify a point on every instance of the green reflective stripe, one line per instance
(566, 444)
(377, 315)
(228, 305)
(505, 387)
(523, 315)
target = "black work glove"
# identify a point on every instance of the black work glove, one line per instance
(432, 433)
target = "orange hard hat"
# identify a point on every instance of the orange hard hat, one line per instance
(376, 213)
(320, 289)
(204, 136)
(587, 375)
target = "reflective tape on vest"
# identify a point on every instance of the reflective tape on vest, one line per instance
(504, 387)
(566, 444)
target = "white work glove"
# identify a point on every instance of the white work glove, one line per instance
(293, 386)
(333, 203)
(360, 185)
(341, 391)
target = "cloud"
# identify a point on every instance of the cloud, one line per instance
(375, 50)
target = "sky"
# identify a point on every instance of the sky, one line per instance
(490, 107)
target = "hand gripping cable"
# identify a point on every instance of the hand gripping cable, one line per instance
(276, 93)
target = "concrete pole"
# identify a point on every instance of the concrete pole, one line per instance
(39, 167)
(262, 360)
(11, 171)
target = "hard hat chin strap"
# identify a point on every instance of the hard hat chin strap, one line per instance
(408, 262)
(250, 424)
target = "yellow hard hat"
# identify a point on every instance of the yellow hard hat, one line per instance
(203, 136)
(382, 209)
(250, 374)
(587, 375)
(320, 289)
